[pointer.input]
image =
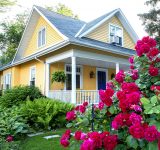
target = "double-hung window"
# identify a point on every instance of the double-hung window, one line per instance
(42, 37)
(7, 81)
(116, 35)
(69, 77)
(32, 76)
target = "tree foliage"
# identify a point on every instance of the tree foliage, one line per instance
(63, 9)
(151, 19)
(10, 37)
(4, 4)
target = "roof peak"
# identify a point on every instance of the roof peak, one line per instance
(56, 13)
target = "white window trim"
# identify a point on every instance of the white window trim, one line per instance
(111, 24)
(41, 38)
(32, 67)
(4, 80)
(101, 69)
(81, 74)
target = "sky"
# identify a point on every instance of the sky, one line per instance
(88, 10)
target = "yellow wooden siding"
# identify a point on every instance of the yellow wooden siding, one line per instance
(110, 72)
(24, 74)
(89, 83)
(59, 66)
(101, 33)
(52, 37)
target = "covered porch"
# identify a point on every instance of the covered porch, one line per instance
(87, 73)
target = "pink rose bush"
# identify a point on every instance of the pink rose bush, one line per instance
(128, 114)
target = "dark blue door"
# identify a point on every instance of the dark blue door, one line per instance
(101, 80)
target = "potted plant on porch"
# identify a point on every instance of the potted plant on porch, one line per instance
(58, 76)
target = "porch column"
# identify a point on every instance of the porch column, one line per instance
(117, 68)
(47, 79)
(73, 98)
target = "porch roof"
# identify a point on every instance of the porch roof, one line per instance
(89, 43)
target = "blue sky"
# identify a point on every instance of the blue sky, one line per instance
(90, 9)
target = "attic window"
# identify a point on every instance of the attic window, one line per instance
(116, 35)
(42, 37)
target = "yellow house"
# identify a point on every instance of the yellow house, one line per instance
(89, 53)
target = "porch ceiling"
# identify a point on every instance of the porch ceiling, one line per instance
(96, 63)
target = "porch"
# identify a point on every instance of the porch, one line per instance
(78, 66)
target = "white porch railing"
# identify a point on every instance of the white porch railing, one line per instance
(90, 96)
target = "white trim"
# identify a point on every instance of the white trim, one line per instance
(98, 24)
(4, 80)
(24, 32)
(30, 69)
(117, 68)
(81, 74)
(63, 36)
(123, 20)
(61, 56)
(47, 75)
(80, 30)
(101, 69)
(40, 30)
(96, 56)
(117, 26)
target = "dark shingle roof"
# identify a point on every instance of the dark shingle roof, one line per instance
(66, 25)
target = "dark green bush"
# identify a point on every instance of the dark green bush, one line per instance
(19, 94)
(46, 113)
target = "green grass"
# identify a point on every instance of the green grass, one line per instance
(39, 143)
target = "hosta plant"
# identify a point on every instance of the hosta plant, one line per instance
(128, 115)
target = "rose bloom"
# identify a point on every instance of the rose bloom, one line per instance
(135, 118)
(77, 135)
(71, 115)
(64, 142)
(152, 53)
(145, 48)
(129, 87)
(137, 131)
(121, 95)
(96, 137)
(151, 133)
(153, 71)
(134, 74)
(85, 104)
(109, 92)
(101, 105)
(120, 76)
(9, 138)
(131, 59)
(82, 109)
(110, 142)
(105, 98)
(87, 145)
(137, 108)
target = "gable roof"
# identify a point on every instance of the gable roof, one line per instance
(72, 31)
(89, 27)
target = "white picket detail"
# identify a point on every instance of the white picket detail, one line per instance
(90, 96)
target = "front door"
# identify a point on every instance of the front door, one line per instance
(101, 77)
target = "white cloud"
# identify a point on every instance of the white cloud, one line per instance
(90, 9)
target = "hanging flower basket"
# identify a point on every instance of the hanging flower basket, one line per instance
(58, 76)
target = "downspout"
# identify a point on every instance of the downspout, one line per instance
(44, 73)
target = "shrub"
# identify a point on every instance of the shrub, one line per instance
(12, 123)
(128, 115)
(19, 94)
(44, 113)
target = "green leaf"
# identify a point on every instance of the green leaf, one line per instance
(154, 99)
(152, 146)
(157, 83)
(145, 101)
(69, 125)
(111, 109)
(132, 142)
(121, 147)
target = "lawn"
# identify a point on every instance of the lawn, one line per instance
(39, 143)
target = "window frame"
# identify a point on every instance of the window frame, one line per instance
(117, 26)
(30, 76)
(77, 73)
(40, 30)
(9, 79)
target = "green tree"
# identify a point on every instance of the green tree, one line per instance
(10, 37)
(4, 4)
(63, 9)
(151, 19)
